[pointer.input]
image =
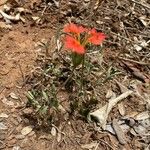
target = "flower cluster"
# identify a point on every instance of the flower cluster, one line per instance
(75, 43)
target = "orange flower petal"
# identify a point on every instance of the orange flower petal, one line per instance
(74, 45)
(96, 37)
(73, 28)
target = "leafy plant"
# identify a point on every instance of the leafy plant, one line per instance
(73, 76)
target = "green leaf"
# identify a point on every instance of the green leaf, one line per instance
(77, 59)
(30, 96)
(44, 110)
(45, 95)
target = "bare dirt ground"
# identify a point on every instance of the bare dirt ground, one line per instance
(127, 26)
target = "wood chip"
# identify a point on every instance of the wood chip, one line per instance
(121, 109)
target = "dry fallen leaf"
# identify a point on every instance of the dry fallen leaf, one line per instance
(7, 102)
(102, 114)
(120, 134)
(136, 72)
(110, 129)
(10, 17)
(121, 109)
(2, 2)
(142, 116)
(16, 148)
(53, 131)
(140, 130)
(114, 141)
(58, 137)
(89, 146)
(110, 94)
(3, 25)
(131, 114)
(142, 19)
(26, 130)
(13, 96)
(2, 126)
(3, 115)
(33, 2)
(121, 87)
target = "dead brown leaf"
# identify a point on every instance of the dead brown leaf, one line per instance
(136, 72)
(120, 134)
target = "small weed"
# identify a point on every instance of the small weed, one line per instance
(77, 74)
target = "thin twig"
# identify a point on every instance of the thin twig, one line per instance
(22, 74)
(44, 10)
(2, 52)
(106, 144)
(58, 129)
(96, 146)
(5, 73)
(134, 61)
(144, 5)
(127, 39)
(69, 77)
(3, 88)
(10, 17)
(66, 81)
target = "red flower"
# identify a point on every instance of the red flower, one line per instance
(96, 37)
(72, 28)
(74, 45)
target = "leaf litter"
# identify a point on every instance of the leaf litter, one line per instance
(126, 19)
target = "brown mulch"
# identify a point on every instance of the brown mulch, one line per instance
(127, 26)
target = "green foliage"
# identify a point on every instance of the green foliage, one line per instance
(77, 59)
(80, 82)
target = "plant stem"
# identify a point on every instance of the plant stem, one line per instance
(66, 80)
(69, 76)
(82, 75)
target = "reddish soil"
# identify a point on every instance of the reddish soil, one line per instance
(18, 54)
